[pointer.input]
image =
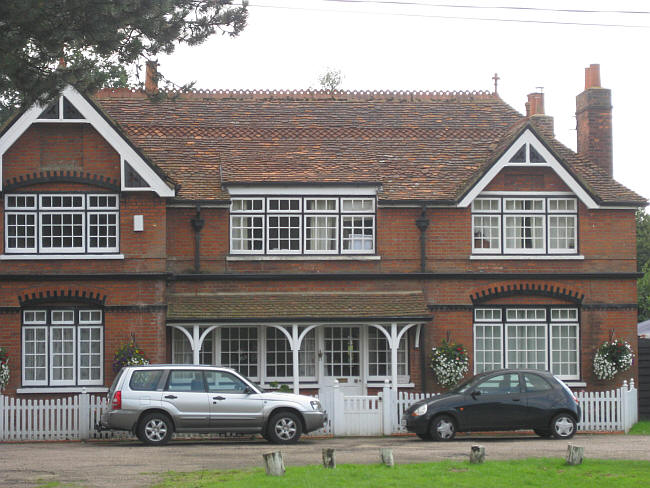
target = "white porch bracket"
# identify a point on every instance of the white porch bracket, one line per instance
(196, 339)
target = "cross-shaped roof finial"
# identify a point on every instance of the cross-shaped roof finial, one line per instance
(496, 81)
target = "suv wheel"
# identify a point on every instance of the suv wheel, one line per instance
(155, 429)
(442, 428)
(563, 426)
(284, 428)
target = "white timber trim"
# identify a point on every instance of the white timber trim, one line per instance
(534, 257)
(63, 389)
(96, 120)
(303, 257)
(503, 162)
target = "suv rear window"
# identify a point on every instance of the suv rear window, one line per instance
(145, 379)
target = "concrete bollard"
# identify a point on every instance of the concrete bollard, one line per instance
(387, 457)
(574, 455)
(477, 454)
(274, 463)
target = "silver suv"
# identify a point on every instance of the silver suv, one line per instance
(154, 401)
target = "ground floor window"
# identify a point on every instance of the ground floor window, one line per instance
(263, 353)
(62, 347)
(533, 337)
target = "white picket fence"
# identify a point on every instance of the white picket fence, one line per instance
(74, 417)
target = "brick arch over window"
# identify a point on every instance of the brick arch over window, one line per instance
(528, 289)
(48, 296)
(61, 177)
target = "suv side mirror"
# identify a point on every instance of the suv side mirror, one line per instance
(475, 393)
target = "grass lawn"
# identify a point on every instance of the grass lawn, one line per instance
(641, 428)
(540, 473)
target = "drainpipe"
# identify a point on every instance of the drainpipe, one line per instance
(422, 223)
(197, 225)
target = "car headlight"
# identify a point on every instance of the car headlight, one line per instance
(315, 404)
(421, 410)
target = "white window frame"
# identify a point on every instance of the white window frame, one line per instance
(552, 316)
(26, 382)
(484, 250)
(319, 211)
(566, 250)
(283, 199)
(336, 233)
(251, 239)
(518, 250)
(491, 324)
(403, 376)
(74, 323)
(39, 211)
(289, 228)
(507, 337)
(63, 382)
(363, 238)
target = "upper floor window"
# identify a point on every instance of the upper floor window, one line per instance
(524, 225)
(302, 225)
(57, 223)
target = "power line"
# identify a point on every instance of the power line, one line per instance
(454, 17)
(495, 7)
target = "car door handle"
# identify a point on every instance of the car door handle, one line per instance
(218, 398)
(171, 397)
(516, 399)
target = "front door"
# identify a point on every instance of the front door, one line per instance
(185, 395)
(342, 358)
(232, 406)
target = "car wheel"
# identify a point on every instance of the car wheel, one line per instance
(563, 426)
(284, 428)
(542, 433)
(155, 429)
(442, 428)
(425, 437)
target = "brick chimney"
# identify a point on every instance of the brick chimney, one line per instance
(151, 78)
(535, 112)
(594, 119)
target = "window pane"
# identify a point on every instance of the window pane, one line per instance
(487, 232)
(526, 346)
(524, 232)
(321, 233)
(358, 234)
(562, 232)
(342, 356)
(279, 357)
(379, 354)
(239, 349)
(247, 233)
(284, 233)
(564, 357)
(487, 348)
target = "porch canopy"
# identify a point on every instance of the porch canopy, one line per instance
(295, 314)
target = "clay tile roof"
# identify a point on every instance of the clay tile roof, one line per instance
(418, 145)
(240, 307)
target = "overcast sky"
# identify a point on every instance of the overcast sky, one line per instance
(419, 45)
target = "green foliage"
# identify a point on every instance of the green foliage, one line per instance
(538, 473)
(640, 428)
(128, 354)
(643, 263)
(450, 363)
(97, 40)
(330, 80)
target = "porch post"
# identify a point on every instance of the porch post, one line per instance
(196, 344)
(394, 344)
(295, 349)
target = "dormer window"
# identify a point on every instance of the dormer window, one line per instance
(302, 225)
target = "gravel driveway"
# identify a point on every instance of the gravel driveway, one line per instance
(128, 464)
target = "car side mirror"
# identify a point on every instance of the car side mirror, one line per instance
(249, 391)
(475, 393)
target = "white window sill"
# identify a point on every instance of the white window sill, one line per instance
(303, 257)
(541, 257)
(62, 389)
(50, 257)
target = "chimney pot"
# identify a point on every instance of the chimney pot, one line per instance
(592, 76)
(151, 78)
(594, 121)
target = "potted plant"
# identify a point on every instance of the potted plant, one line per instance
(611, 358)
(450, 363)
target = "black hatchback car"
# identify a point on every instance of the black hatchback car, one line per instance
(498, 400)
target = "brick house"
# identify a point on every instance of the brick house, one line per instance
(306, 237)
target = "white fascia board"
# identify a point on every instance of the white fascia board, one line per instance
(100, 124)
(118, 143)
(552, 163)
(238, 189)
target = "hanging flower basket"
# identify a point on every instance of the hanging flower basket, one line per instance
(128, 354)
(450, 363)
(4, 368)
(612, 358)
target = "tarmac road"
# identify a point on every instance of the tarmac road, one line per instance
(128, 464)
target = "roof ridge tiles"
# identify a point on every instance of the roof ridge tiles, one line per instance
(304, 94)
